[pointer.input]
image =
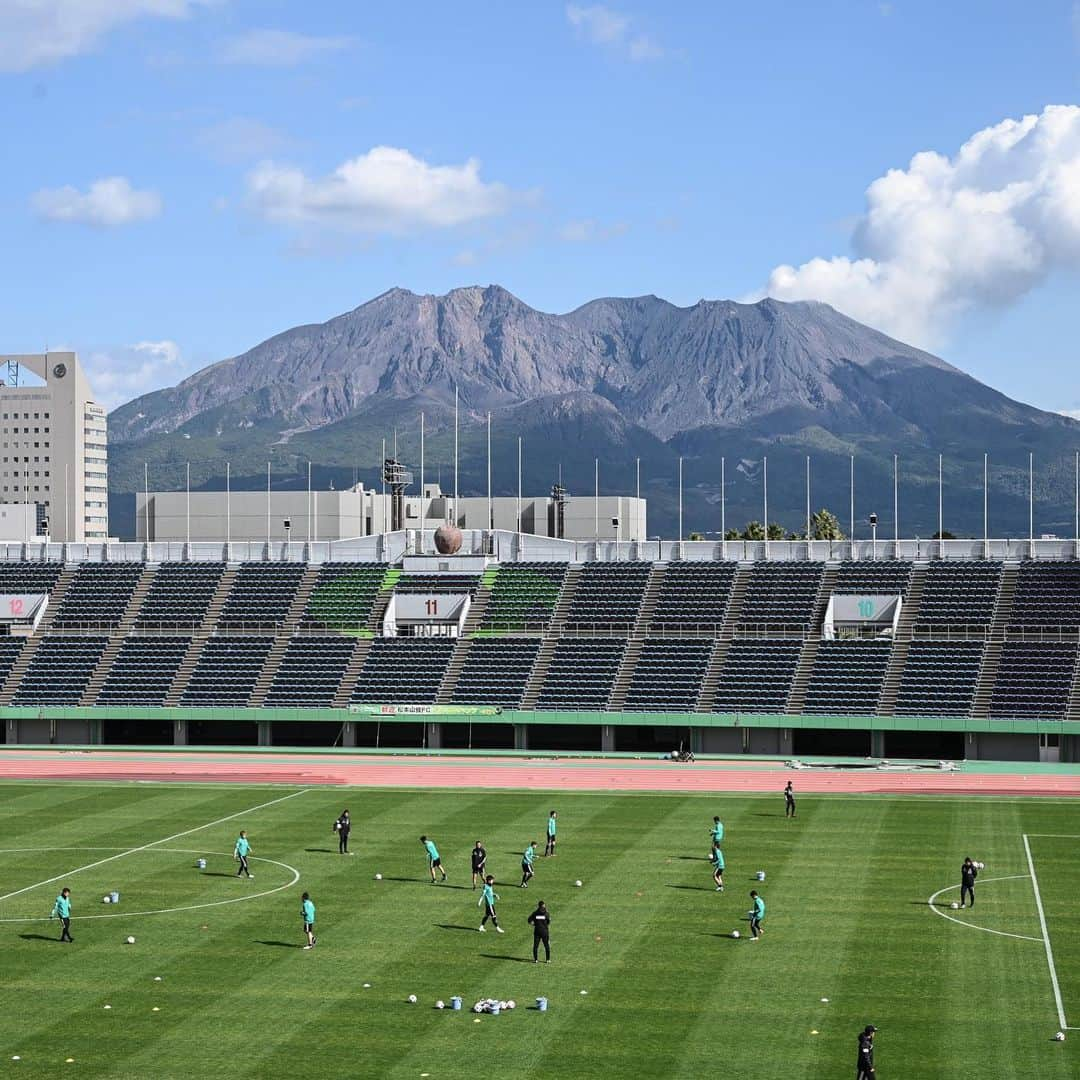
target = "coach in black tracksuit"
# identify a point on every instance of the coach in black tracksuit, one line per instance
(864, 1068)
(540, 920)
(968, 873)
(344, 827)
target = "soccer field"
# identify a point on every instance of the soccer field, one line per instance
(668, 991)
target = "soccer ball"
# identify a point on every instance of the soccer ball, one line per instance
(440, 1004)
(577, 884)
(980, 866)
(1060, 1036)
(955, 906)
(131, 941)
(511, 1004)
(412, 999)
(378, 877)
(735, 934)
(106, 899)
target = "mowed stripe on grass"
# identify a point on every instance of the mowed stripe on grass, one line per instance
(846, 887)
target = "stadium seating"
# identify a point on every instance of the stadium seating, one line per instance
(886, 578)
(581, 673)
(406, 670)
(180, 593)
(608, 594)
(29, 578)
(939, 678)
(780, 596)
(523, 596)
(959, 594)
(668, 675)
(311, 671)
(60, 670)
(143, 670)
(261, 594)
(227, 670)
(10, 647)
(496, 671)
(437, 583)
(98, 595)
(694, 595)
(756, 676)
(344, 595)
(847, 677)
(1047, 595)
(1033, 679)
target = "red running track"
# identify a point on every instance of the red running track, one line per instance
(568, 774)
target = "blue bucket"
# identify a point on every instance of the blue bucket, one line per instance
(541, 1004)
(761, 875)
(455, 1004)
(114, 897)
(495, 1009)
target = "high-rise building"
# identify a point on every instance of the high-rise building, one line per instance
(54, 449)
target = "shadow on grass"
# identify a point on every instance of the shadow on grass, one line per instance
(219, 873)
(37, 937)
(693, 858)
(512, 959)
(324, 850)
(449, 926)
(693, 888)
(280, 944)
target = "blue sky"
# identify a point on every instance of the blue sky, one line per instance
(184, 178)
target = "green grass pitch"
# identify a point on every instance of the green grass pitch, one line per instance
(669, 992)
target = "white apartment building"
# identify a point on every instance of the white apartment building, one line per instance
(54, 450)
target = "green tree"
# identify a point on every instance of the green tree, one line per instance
(754, 531)
(697, 536)
(825, 525)
(777, 531)
(946, 535)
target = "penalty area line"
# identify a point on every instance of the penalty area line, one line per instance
(1046, 936)
(153, 843)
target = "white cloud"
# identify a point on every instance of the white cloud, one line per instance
(240, 138)
(124, 372)
(950, 235)
(279, 48)
(108, 202)
(588, 230)
(34, 32)
(386, 190)
(1072, 414)
(613, 30)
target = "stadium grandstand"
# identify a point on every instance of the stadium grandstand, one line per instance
(914, 649)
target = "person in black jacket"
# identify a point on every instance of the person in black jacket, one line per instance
(479, 862)
(864, 1068)
(968, 873)
(540, 920)
(343, 826)
(789, 800)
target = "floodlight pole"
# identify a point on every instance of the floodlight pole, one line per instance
(187, 508)
(228, 510)
(596, 498)
(940, 512)
(455, 516)
(680, 507)
(421, 483)
(723, 512)
(896, 505)
(986, 505)
(808, 503)
(765, 498)
(491, 523)
(851, 534)
(1031, 504)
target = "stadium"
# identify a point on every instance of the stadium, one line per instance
(919, 694)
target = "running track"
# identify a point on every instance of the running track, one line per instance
(547, 774)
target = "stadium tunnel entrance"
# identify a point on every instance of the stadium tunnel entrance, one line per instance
(478, 736)
(564, 737)
(651, 740)
(935, 745)
(825, 742)
(141, 731)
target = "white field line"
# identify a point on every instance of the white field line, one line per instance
(153, 843)
(1046, 936)
(973, 926)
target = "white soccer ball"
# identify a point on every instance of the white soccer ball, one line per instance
(577, 884)
(955, 906)
(106, 899)
(378, 877)
(440, 1004)
(735, 934)
(511, 1004)
(980, 866)
(1060, 1036)
(412, 999)
(131, 941)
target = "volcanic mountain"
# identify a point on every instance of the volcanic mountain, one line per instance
(617, 380)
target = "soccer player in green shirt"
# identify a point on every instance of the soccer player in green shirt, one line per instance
(757, 913)
(62, 911)
(487, 901)
(527, 863)
(717, 859)
(549, 847)
(241, 852)
(434, 862)
(717, 830)
(307, 913)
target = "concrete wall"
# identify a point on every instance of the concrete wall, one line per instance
(1002, 746)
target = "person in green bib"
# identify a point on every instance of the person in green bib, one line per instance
(757, 914)
(549, 847)
(717, 831)
(717, 859)
(307, 913)
(527, 857)
(487, 901)
(434, 862)
(62, 911)
(241, 852)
